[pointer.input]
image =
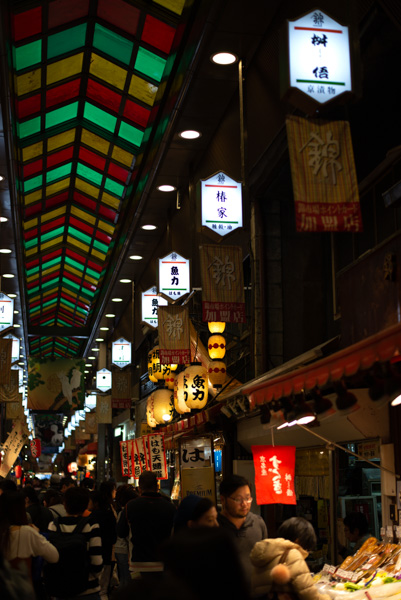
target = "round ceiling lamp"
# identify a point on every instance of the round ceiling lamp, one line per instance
(190, 134)
(224, 58)
(166, 188)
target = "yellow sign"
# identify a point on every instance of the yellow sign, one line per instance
(198, 482)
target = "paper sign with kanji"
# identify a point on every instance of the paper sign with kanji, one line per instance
(125, 467)
(274, 474)
(157, 455)
(174, 339)
(12, 446)
(323, 175)
(223, 296)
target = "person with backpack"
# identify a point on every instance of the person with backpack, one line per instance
(78, 541)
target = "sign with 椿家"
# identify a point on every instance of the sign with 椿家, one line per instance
(150, 306)
(174, 275)
(274, 474)
(221, 203)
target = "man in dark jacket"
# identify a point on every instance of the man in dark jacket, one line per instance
(148, 520)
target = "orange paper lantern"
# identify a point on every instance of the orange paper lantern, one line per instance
(216, 346)
(217, 373)
(196, 386)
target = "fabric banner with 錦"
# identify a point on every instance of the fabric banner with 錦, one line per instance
(5, 360)
(91, 422)
(15, 410)
(174, 339)
(9, 392)
(121, 389)
(323, 175)
(274, 474)
(223, 296)
(103, 409)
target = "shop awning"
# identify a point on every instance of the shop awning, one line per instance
(90, 448)
(361, 356)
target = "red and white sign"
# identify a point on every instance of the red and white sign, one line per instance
(36, 447)
(274, 474)
(125, 461)
(157, 455)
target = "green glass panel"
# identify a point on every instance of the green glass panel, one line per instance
(112, 44)
(51, 263)
(65, 41)
(70, 284)
(30, 243)
(28, 127)
(50, 283)
(33, 271)
(33, 184)
(74, 263)
(49, 303)
(27, 55)
(100, 117)
(82, 237)
(93, 274)
(45, 237)
(115, 188)
(61, 115)
(131, 134)
(33, 290)
(101, 247)
(58, 173)
(89, 174)
(150, 64)
(44, 346)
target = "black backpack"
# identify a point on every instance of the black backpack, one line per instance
(69, 576)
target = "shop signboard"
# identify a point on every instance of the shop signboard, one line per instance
(157, 455)
(121, 353)
(103, 380)
(150, 305)
(174, 335)
(174, 276)
(125, 459)
(274, 474)
(198, 482)
(15, 347)
(221, 199)
(6, 312)
(12, 446)
(196, 453)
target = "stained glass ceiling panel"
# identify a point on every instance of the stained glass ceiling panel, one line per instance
(87, 81)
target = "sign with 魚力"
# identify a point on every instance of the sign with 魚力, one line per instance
(174, 275)
(221, 203)
(150, 305)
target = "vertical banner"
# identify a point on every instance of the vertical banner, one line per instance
(14, 410)
(91, 422)
(103, 409)
(121, 389)
(157, 455)
(5, 360)
(9, 392)
(142, 453)
(12, 446)
(274, 474)
(135, 460)
(124, 459)
(36, 447)
(222, 284)
(174, 339)
(323, 175)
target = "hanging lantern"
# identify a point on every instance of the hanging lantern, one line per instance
(72, 467)
(36, 447)
(217, 373)
(216, 326)
(18, 471)
(150, 419)
(216, 346)
(150, 368)
(179, 394)
(163, 406)
(157, 368)
(169, 381)
(196, 386)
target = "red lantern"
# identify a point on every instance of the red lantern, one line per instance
(18, 471)
(36, 447)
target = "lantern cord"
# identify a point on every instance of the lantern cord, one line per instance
(272, 430)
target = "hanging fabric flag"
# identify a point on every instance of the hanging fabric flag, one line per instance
(174, 341)
(103, 409)
(222, 284)
(91, 422)
(323, 175)
(9, 392)
(5, 360)
(274, 474)
(15, 410)
(121, 389)
(157, 455)
(36, 447)
(142, 453)
(135, 460)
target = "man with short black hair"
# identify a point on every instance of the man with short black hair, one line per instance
(246, 527)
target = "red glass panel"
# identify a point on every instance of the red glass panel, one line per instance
(33, 304)
(33, 210)
(64, 11)
(81, 260)
(51, 255)
(28, 235)
(29, 106)
(33, 167)
(93, 159)
(103, 95)
(120, 14)
(53, 224)
(56, 200)
(158, 34)
(102, 237)
(32, 264)
(82, 226)
(27, 23)
(107, 213)
(118, 172)
(136, 113)
(59, 157)
(63, 92)
(84, 201)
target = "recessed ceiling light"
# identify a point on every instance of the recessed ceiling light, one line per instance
(110, 315)
(136, 257)
(116, 299)
(103, 328)
(8, 275)
(166, 188)
(3, 219)
(224, 58)
(99, 340)
(12, 295)
(91, 357)
(17, 325)
(88, 364)
(95, 350)
(5, 251)
(148, 227)
(1, 177)
(125, 280)
(190, 134)
(86, 371)
(21, 363)
(16, 312)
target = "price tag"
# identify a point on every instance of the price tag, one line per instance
(329, 569)
(342, 574)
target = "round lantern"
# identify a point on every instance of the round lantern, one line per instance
(179, 395)
(157, 368)
(169, 381)
(149, 412)
(216, 326)
(163, 406)
(150, 368)
(217, 373)
(82, 460)
(216, 346)
(196, 386)
(36, 447)
(72, 467)
(18, 471)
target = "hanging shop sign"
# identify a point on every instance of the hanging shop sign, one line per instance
(174, 276)
(174, 335)
(9, 392)
(221, 199)
(323, 175)
(6, 312)
(223, 296)
(135, 461)
(15, 347)
(36, 447)
(103, 380)
(157, 455)
(125, 459)
(274, 474)
(103, 409)
(142, 453)
(196, 453)
(5, 360)
(121, 389)
(121, 353)
(56, 384)
(12, 446)
(319, 57)
(150, 305)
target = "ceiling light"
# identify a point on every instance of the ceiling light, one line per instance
(12, 295)
(86, 371)
(3, 219)
(17, 325)
(166, 188)
(396, 398)
(146, 227)
(99, 340)
(110, 315)
(88, 365)
(1, 177)
(224, 58)
(136, 257)
(16, 312)
(190, 134)
(5, 251)
(103, 328)
(95, 350)
(116, 299)
(8, 276)
(125, 280)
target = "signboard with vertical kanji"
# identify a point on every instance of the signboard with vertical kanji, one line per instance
(174, 335)
(274, 474)
(12, 446)
(221, 203)
(135, 460)
(157, 455)
(142, 453)
(125, 470)
(150, 305)
(121, 353)
(174, 275)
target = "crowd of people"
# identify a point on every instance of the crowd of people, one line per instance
(77, 542)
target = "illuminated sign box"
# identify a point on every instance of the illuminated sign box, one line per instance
(221, 203)
(174, 276)
(121, 353)
(150, 304)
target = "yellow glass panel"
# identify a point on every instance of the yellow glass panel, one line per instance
(53, 214)
(33, 250)
(57, 187)
(51, 243)
(104, 226)
(87, 188)
(100, 255)
(29, 224)
(77, 297)
(50, 270)
(32, 278)
(94, 141)
(28, 82)
(62, 139)
(32, 151)
(34, 197)
(74, 242)
(34, 300)
(108, 71)
(122, 156)
(48, 292)
(176, 6)
(64, 68)
(143, 90)
(110, 200)
(84, 216)
(79, 274)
